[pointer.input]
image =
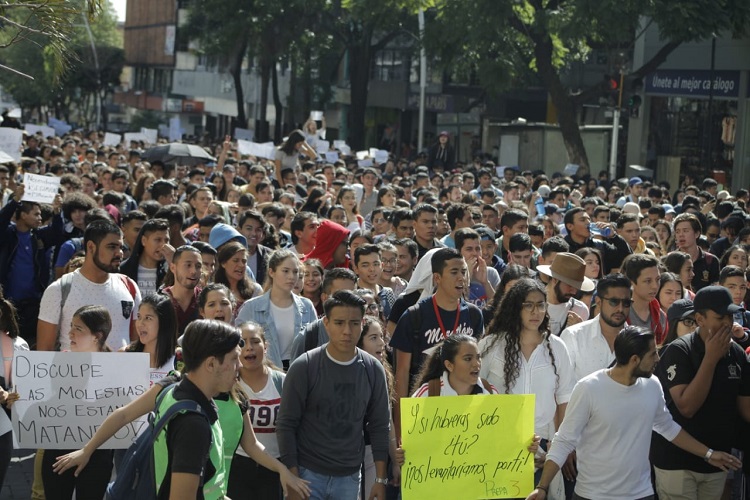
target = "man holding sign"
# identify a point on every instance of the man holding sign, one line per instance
(22, 247)
(609, 420)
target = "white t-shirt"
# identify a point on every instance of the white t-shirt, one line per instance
(157, 374)
(264, 409)
(112, 294)
(283, 319)
(146, 280)
(587, 347)
(558, 314)
(609, 425)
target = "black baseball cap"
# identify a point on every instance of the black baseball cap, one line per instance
(679, 310)
(717, 299)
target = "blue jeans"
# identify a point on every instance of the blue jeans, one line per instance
(331, 487)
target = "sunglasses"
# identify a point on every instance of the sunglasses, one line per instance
(616, 302)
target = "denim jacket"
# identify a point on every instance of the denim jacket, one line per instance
(258, 309)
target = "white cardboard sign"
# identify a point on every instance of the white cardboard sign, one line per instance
(10, 142)
(40, 188)
(65, 397)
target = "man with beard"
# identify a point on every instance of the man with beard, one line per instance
(97, 282)
(609, 420)
(565, 278)
(186, 267)
(591, 343)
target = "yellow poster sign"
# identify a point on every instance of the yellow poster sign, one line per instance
(467, 447)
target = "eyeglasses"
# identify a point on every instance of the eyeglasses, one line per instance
(534, 306)
(688, 322)
(616, 302)
(373, 307)
(390, 261)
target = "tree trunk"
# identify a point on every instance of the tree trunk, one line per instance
(235, 69)
(359, 77)
(307, 83)
(566, 114)
(277, 129)
(265, 77)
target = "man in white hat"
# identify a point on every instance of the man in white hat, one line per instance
(566, 279)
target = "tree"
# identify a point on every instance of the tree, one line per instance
(361, 28)
(507, 39)
(45, 23)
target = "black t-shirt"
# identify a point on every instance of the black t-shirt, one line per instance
(403, 302)
(706, 269)
(716, 423)
(189, 438)
(419, 343)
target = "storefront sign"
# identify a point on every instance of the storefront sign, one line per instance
(694, 83)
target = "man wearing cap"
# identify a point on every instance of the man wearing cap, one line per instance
(636, 189)
(614, 249)
(706, 381)
(566, 278)
(489, 247)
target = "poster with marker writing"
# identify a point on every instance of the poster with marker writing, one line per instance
(468, 447)
(64, 397)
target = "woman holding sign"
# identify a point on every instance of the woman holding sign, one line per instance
(89, 329)
(453, 369)
(522, 357)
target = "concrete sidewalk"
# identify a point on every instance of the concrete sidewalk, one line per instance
(20, 475)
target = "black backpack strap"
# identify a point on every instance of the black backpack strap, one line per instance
(312, 335)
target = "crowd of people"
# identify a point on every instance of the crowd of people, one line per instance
(298, 301)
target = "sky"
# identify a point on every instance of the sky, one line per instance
(120, 8)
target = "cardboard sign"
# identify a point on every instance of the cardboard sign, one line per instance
(33, 129)
(151, 134)
(111, 139)
(175, 129)
(316, 115)
(65, 397)
(11, 140)
(467, 446)
(331, 156)
(322, 146)
(266, 150)
(244, 134)
(40, 188)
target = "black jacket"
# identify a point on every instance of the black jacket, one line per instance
(42, 239)
(612, 253)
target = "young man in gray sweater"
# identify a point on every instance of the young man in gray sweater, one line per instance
(332, 394)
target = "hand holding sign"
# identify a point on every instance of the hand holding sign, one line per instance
(468, 446)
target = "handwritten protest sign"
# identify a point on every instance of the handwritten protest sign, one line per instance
(10, 142)
(467, 446)
(40, 188)
(65, 397)
(245, 134)
(331, 156)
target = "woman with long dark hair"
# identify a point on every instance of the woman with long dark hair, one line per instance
(231, 270)
(521, 356)
(156, 328)
(289, 151)
(10, 342)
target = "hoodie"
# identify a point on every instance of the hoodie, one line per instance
(330, 236)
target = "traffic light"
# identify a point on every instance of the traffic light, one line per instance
(634, 105)
(632, 88)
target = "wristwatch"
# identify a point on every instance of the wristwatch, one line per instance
(381, 480)
(708, 455)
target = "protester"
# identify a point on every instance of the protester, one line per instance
(89, 329)
(156, 328)
(612, 434)
(282, 314)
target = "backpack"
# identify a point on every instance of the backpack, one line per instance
(433, 387)
(136, 479)
(315, 361)
(312, 335)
